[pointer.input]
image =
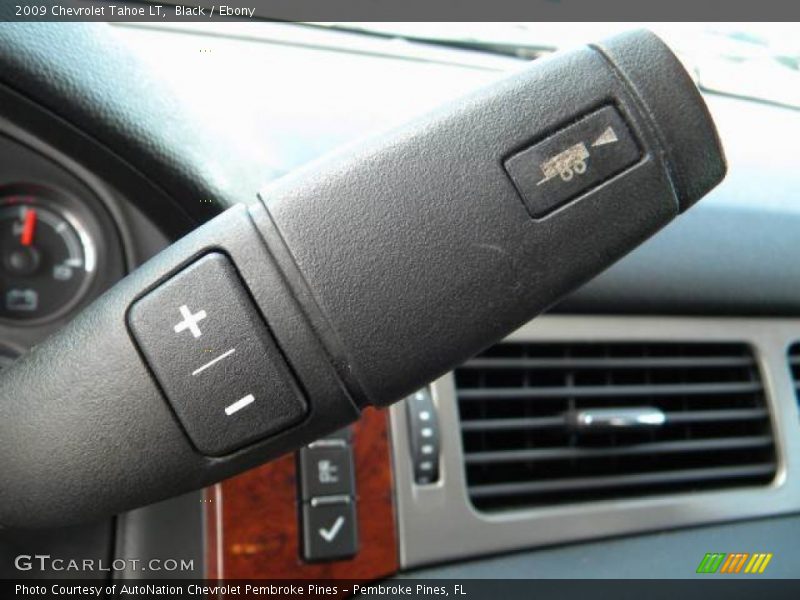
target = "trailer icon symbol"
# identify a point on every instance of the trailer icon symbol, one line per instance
(565, 164)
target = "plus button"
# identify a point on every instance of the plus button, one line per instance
(190, 321)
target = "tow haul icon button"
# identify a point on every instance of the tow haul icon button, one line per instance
(572, 161)
(566, 164)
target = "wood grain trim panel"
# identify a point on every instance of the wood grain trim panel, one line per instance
(252, 523)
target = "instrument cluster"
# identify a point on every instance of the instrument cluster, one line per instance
(61, 242)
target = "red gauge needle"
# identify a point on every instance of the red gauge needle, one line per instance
(28, 227)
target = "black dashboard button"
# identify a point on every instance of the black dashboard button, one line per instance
(326, 470)
(215, 358)
(329, 528)
(572, 161)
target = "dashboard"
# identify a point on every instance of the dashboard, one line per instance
(709, 301)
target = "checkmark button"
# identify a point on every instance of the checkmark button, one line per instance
(330, 534)
(329, 529)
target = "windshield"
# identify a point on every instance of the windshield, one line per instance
(759, 61)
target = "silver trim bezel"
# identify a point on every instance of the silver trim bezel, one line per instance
(438, 523)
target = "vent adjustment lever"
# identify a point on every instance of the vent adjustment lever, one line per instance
(610, 419)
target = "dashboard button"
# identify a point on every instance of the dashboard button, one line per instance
(215, 358)
(326, 470)
(329, 528)
(572, 161)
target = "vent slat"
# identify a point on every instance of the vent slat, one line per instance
(705, 416)
(605, 391)
(737, 443)
(610, 363)
(619, 481)
(511, 424)
(674, 418)
(532, 431)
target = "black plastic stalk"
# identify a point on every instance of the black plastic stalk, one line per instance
(369, 275)
(419, 249)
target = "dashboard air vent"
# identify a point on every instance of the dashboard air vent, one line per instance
(549, 423)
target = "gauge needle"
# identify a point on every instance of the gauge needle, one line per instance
(28, 227)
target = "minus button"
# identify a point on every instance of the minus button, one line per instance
(239, 404)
